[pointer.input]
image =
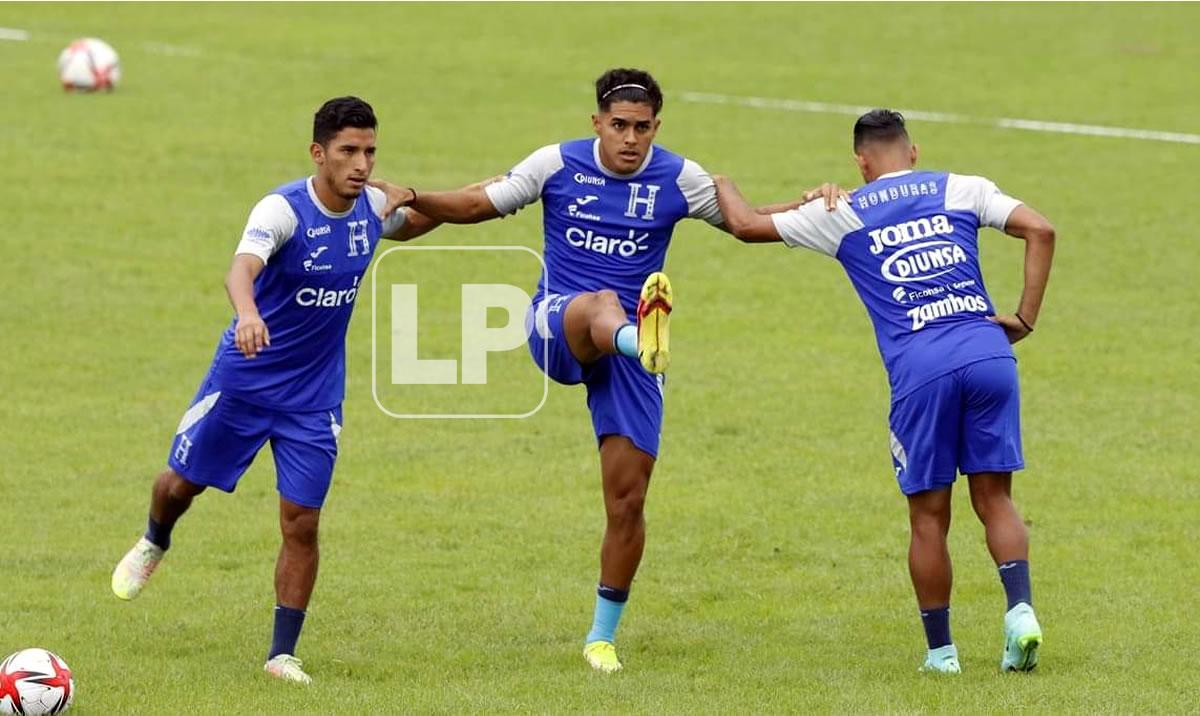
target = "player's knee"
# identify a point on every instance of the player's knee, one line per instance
(177, 486)
(607, 300)
(626, 509)
(300, 528)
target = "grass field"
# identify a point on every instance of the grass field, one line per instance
(460, 556)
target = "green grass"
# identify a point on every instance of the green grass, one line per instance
(459, 557)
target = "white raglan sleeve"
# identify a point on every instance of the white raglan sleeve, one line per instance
(523, 185)
(980, 196)
(272, 222)
(391, 223)
(812, 227)
(701, 193)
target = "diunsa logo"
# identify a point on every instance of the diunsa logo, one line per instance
(909, 231)
(927, 259)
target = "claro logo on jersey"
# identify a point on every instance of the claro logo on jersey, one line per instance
(926, 312)
(919, 261)
(607, 245)
(326, 297)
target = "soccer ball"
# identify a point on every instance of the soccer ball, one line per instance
(35, 682)
(88, 65)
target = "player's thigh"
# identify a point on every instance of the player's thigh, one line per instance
(582, 313)
(625, 471)
(305, 446)
(626, 400)
(548, 339)
(990, 437)
(924, 436)
(217, 439)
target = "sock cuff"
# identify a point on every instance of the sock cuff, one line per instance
(612, 594)
(1012, 563)
(289, 611)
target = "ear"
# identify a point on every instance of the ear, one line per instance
(596, 123)
(657, 124)
(913, 152)
(317, 152)
(861, 161)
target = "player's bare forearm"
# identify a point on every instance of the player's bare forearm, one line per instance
(464, 206)
(1039, 238)
(250, 334)
(742, 220)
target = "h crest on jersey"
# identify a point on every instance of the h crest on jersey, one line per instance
(637, 200)
(360, 242)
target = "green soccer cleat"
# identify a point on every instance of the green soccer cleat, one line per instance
(135, 568)
(1022, 637)
(602, 656)
(942, 660)
(654, 323)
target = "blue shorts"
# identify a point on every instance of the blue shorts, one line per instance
(623, 398)
(219, 436)
(967, 421)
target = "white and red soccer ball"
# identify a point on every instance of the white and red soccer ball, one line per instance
(88, 65)
(35, 682)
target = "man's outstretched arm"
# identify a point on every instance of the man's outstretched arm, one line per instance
(469, 205)
(742, 220)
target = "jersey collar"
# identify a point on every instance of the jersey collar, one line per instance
(604, 170)
(312, 194)
(889, 175)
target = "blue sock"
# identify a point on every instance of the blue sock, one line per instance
(159, 534)
(937, 626)
(609, 603)
(288, 623)
(625, 340)
(1015, 576)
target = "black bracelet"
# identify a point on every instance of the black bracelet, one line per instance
(414, 193)
(1024, 323)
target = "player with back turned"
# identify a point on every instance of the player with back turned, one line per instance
(908, 243)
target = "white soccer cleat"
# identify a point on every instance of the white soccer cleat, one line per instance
(287, 667)
(135, 568)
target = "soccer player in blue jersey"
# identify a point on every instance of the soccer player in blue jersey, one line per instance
(908, 241)
(600, 314)
(279, 370)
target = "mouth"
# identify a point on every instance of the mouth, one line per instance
(629, 155)
(356, 182)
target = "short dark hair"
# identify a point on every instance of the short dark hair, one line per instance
(339, 113)
(628, 85)
(879, 125)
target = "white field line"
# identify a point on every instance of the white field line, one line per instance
(1033, 125)
(11, 33)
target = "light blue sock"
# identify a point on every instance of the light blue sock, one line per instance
(609, 605)
(625, 340)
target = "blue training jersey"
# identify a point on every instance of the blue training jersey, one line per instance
(604, 230)
(908, 242)
(305, 295)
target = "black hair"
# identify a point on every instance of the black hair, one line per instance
(628, 85)
(339, 113)
(879, 125)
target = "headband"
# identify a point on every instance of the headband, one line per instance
(621, 87)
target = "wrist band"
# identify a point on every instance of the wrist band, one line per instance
(414, 199)
(1024, 323)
